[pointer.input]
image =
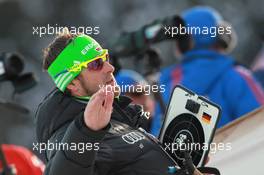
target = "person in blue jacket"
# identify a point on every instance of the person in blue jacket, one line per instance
(208, 70)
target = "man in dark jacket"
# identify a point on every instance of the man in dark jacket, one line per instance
(92, 129)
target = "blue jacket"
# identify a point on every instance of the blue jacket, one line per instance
(216, 77)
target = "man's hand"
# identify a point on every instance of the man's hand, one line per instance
(98, 111)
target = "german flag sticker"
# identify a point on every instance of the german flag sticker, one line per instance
(206, 118)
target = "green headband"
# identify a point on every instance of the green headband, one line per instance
(82, 49)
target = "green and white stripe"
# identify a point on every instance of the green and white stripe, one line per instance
(63, 80)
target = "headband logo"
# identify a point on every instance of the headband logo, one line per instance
(88, 47)
(76, 62)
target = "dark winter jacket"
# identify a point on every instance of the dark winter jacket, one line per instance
(121, 148)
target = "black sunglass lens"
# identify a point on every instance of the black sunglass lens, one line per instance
(96, 64)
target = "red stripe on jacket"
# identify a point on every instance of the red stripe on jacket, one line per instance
(176, 75)
(254, 86)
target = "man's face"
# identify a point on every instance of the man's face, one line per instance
(90, 81)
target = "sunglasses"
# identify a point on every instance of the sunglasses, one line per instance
(97, 64)
(94, 64)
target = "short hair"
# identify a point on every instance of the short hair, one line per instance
(56, 47)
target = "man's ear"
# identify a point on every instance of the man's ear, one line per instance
(73, 87)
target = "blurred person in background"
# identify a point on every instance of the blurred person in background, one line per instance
(17, 160)
(207, 68)
(133, 85)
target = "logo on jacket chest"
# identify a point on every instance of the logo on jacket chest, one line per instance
(127, 134)
(133, 137)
